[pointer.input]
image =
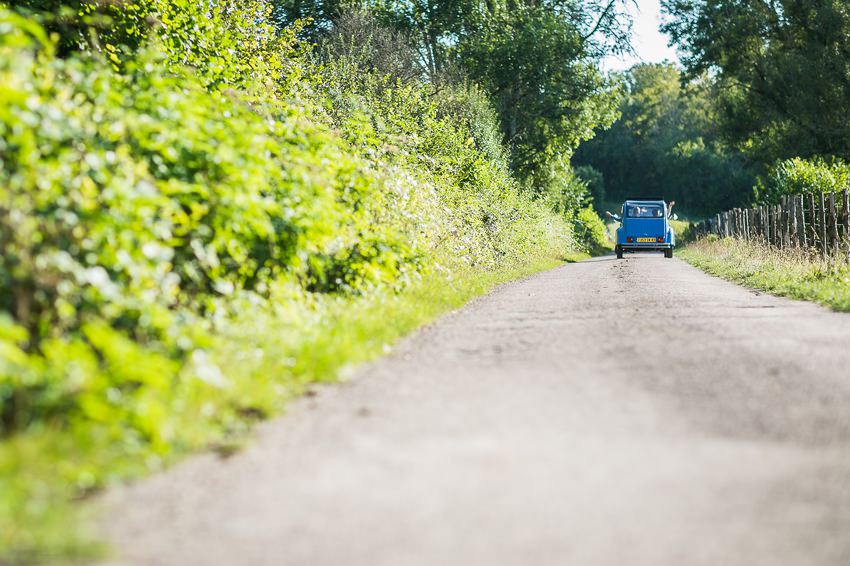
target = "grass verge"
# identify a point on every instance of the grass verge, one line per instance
(798, 274)
(265, 356)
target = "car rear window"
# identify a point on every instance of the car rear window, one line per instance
(644, 211)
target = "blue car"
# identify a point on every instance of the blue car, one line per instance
(645, 227)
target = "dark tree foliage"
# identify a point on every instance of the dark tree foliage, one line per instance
(85, 24)
(359, 39)
(319, 14)
(667, 143)
(783, 68)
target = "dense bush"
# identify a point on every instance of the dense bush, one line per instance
(145, 207)
(590, 231)
(227, 42)
(149, 200)
(141, 201)
(797, 176)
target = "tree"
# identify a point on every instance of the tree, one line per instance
(317, 15)
(90, 24)
(667, 143)
(537, 59)
(782, 67)
(545, 85)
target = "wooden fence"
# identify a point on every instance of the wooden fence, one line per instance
(816, 221)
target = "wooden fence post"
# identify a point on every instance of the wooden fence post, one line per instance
(832, 221)
(822, 222)
(768, 224)
(792, 217)
(754, 222)
(781, 207)
(774, 228)
(788, 217)
(786, 222)
(801, 212)
(813, 226)
(765, 227)
(765, 218)
(846, 214)
(774, 224)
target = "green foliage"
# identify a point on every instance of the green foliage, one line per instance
(591, 231)
(550, 96)
(560, 187)
(798, 176)
(317, 14)
(667, 144)
(595, 181)
(227, 42)
(782, 68)
(183, 247)
(537, 62)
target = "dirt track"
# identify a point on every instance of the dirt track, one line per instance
(606, 413)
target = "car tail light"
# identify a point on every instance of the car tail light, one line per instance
(660, 239)
(630, 240)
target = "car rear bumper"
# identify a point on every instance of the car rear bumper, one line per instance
(645, 247)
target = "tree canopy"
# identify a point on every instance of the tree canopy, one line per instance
(667, 143)
(538, 61)
(782, 69)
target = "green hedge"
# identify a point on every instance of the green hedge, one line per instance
(148, 208)
(798, 176)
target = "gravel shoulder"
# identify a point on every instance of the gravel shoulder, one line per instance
(602, 413)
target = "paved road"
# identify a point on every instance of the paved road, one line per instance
(633, 412)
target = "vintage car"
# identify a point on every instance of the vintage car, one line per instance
(645, 227)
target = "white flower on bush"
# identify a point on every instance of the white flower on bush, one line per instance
(205, 254)
(170, 284)
(99, 278)
(155, 251)
(207, 371)
(224, 287)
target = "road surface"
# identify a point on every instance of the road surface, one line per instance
(634, 412)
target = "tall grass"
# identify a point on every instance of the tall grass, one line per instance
(796, 273)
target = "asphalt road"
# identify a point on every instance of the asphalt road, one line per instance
(621, 413)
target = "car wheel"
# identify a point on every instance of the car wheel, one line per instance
(619, 251)
(668, 253)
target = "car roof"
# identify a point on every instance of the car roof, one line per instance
(646, 201)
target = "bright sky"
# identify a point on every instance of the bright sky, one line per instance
(650, 45)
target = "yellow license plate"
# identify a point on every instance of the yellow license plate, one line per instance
(642, 240)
